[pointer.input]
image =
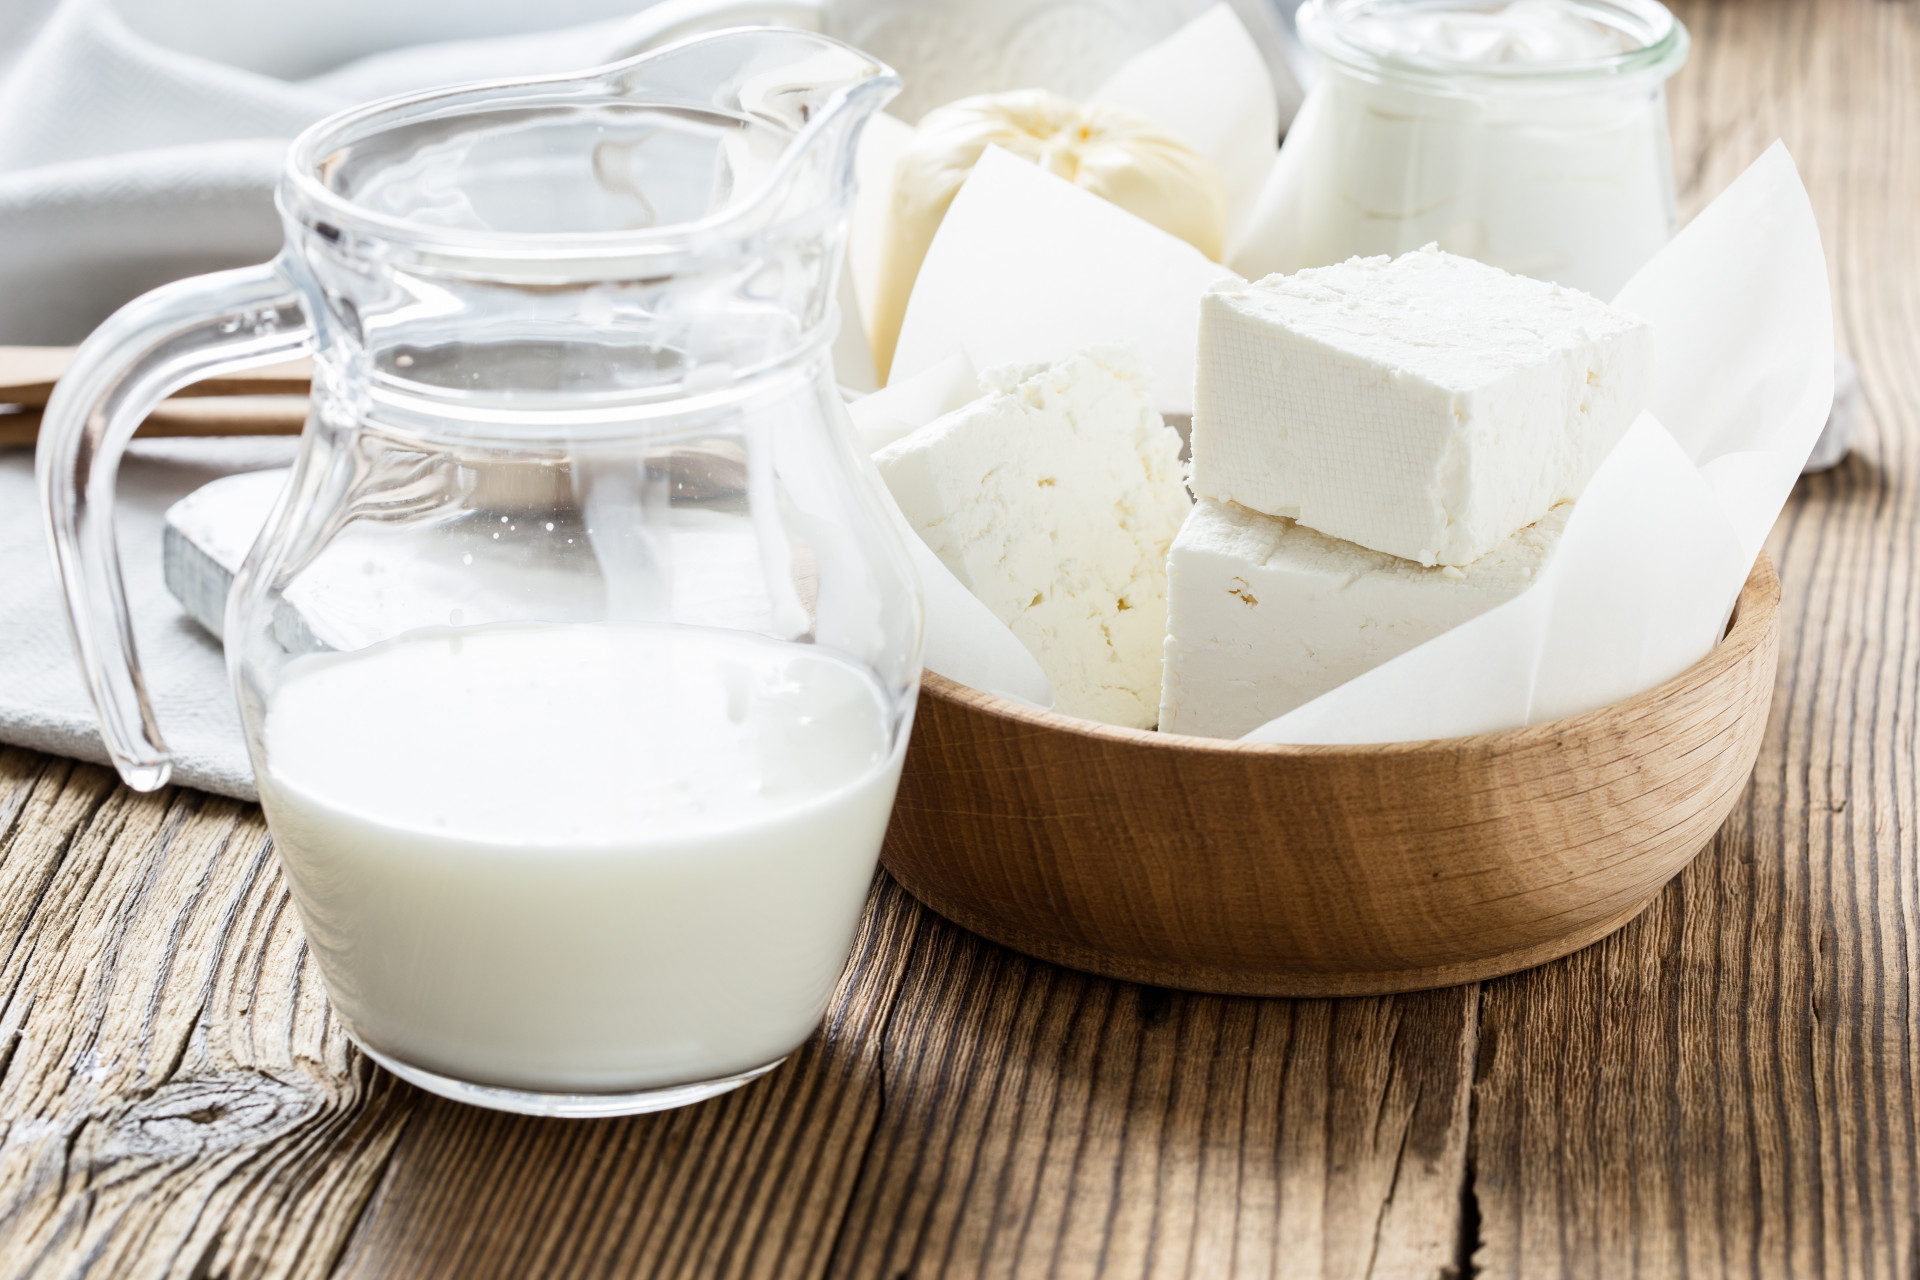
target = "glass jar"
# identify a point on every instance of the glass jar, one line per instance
(1531, 136)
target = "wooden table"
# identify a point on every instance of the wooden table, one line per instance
(1728, 1085)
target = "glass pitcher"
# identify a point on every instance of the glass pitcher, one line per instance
(950, 49)
(578, 659)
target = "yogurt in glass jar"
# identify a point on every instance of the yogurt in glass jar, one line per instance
(1531, 135)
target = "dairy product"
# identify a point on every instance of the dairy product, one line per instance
(1426, 406)
(1265, 614)
(1535, 33)
(1531, 135)
(1054, 499)
(579, 858)
(1029, 267)
(1109, 150)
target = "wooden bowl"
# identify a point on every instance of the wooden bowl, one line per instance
(1324, 870)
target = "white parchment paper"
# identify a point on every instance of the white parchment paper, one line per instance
(965, 640)
(1027, 267)
(1654, 556)
(1208, 85)
(1080, 267)
(1657, 548)
(1660, 543)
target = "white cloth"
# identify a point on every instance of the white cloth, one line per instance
(139, 142)
(140, 139)
(43, 704)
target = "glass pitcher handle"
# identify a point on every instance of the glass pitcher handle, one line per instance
(146, 351)
(676, 19)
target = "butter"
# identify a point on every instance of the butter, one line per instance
(1111, 151)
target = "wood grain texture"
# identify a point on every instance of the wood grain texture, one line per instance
(27, 375)
(1728, 1086)
(1324, 870)
(236, 415)
(1725, 1087)
(969, 1112)
(1041, 1122)
(176, 1100)
(751, 1184)
(270, 400)
(178, 1103)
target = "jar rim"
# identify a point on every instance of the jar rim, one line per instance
(307, 198)
(1328, 27)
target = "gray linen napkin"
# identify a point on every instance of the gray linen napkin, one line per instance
(43, 703)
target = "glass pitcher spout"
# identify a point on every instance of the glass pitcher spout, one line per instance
(706, 185)
(538, 267)
(768, 115)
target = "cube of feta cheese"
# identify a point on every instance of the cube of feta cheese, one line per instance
(1427, 406)
(1265, 614)
(1054, 500)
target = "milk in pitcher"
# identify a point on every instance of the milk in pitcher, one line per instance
(579, 858)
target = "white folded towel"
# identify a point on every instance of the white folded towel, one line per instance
(140, 139)
(139, 142)
(43, 704)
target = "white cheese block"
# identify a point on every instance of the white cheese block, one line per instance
(1427, 406)
(1054, 499)
(208, 534)
(349, 596)
(1265, 614)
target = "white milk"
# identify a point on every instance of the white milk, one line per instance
(1538, 32)
(588, 858)
(1566, 177)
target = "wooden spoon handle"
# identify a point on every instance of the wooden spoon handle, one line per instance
(245, 416)
(27, 375)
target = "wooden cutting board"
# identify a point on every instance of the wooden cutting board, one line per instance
(270, 400)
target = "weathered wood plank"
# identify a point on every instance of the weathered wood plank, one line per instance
(178, 1103)
(1728, 1086)
(176, 1100)
(1043, 1122)
(970, 1111)
(751, 1184)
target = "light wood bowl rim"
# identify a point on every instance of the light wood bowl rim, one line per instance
(1754, 611)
